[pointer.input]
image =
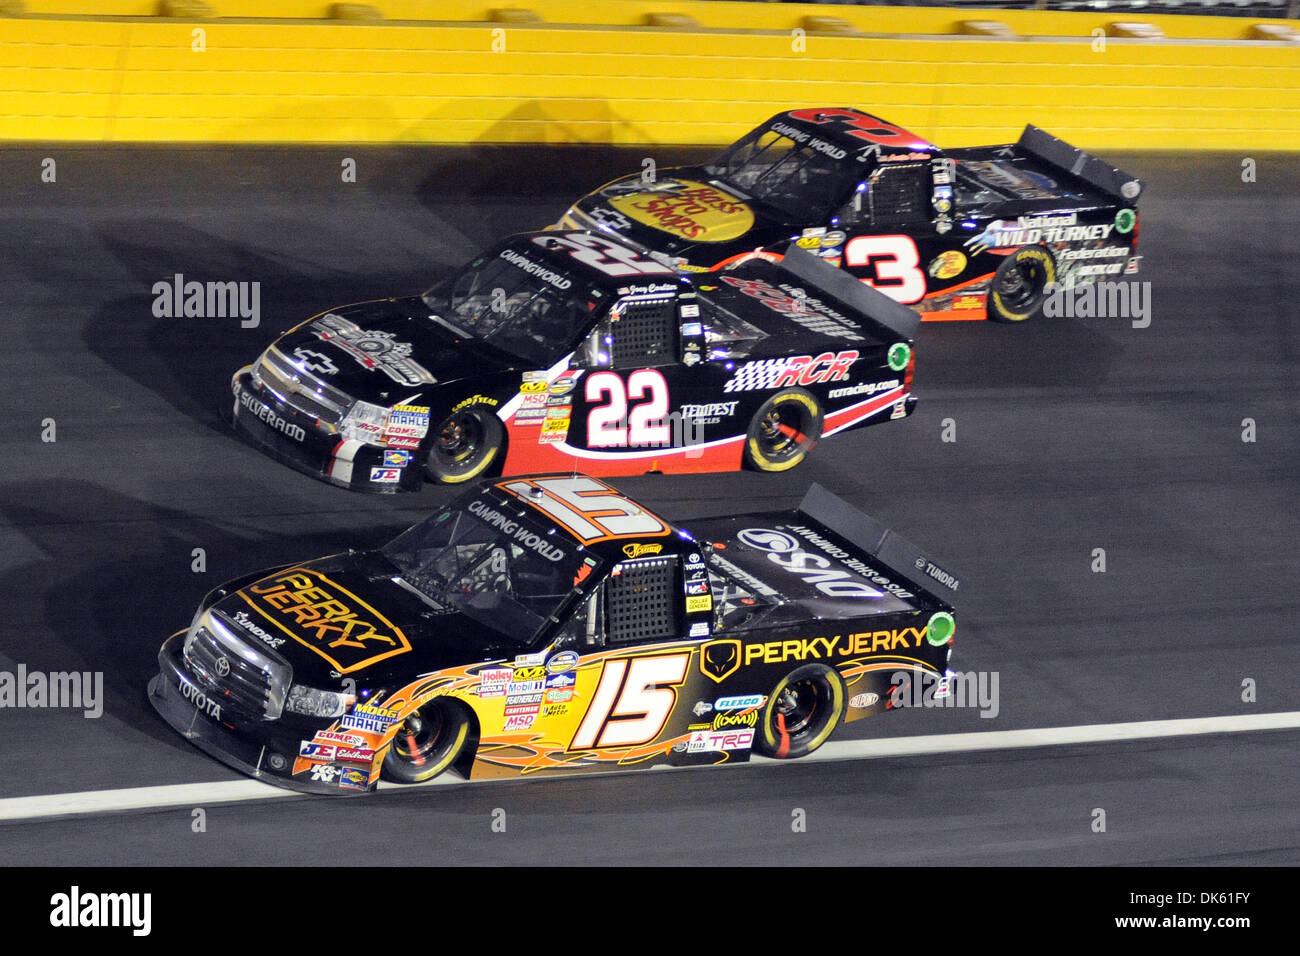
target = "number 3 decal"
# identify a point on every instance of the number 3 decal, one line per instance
(895, 261)
(610, 425)
(632, 702)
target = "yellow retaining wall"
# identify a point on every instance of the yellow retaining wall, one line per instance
(711, 14)
(139, 80)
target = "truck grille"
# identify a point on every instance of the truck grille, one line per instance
(246, 681)
(300, 390)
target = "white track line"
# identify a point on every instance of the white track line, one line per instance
(232, 791)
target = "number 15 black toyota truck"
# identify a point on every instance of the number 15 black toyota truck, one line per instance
(548, 625)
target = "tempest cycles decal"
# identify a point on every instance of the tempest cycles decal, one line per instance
(327, 618)
(373, 350)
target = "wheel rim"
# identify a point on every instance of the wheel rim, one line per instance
(801, 704)
(783, 432)
(459, 440)
(421, 736)
(1022, 283)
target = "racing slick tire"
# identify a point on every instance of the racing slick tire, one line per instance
(428, 742)
(801, 712)
(464, 445)
(1020, 284)
(783, 430)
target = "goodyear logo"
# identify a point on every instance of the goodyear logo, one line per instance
(327, 618)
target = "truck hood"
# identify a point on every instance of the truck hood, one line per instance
(678, 212)
(347, 615)
(387, 351)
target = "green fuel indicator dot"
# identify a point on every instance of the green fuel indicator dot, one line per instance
(899, 354)
(941, 628)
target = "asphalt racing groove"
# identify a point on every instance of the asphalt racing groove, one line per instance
(1072, 435)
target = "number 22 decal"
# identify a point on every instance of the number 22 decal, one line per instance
(632, 702)
(611, 426)
(896, 263)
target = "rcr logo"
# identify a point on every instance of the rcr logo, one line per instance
(783, 550)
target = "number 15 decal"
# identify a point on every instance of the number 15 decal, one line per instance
(632, 701)
(610, 425)
(896, 262)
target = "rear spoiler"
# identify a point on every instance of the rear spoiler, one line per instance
(891, 548)
(1095, 172)
(875, 305)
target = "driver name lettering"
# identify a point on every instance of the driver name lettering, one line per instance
(519, 533)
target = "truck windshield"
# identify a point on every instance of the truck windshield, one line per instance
(805, 181)
(507, 575)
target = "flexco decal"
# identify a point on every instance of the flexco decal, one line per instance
(327, 618)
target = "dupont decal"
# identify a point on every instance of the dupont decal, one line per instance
(863, 701)
(785, 552)
(687, 209)
(327, 618)
(793, 370)
(378, 351)
(799, 307)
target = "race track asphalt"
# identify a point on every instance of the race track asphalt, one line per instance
(1071, 435)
